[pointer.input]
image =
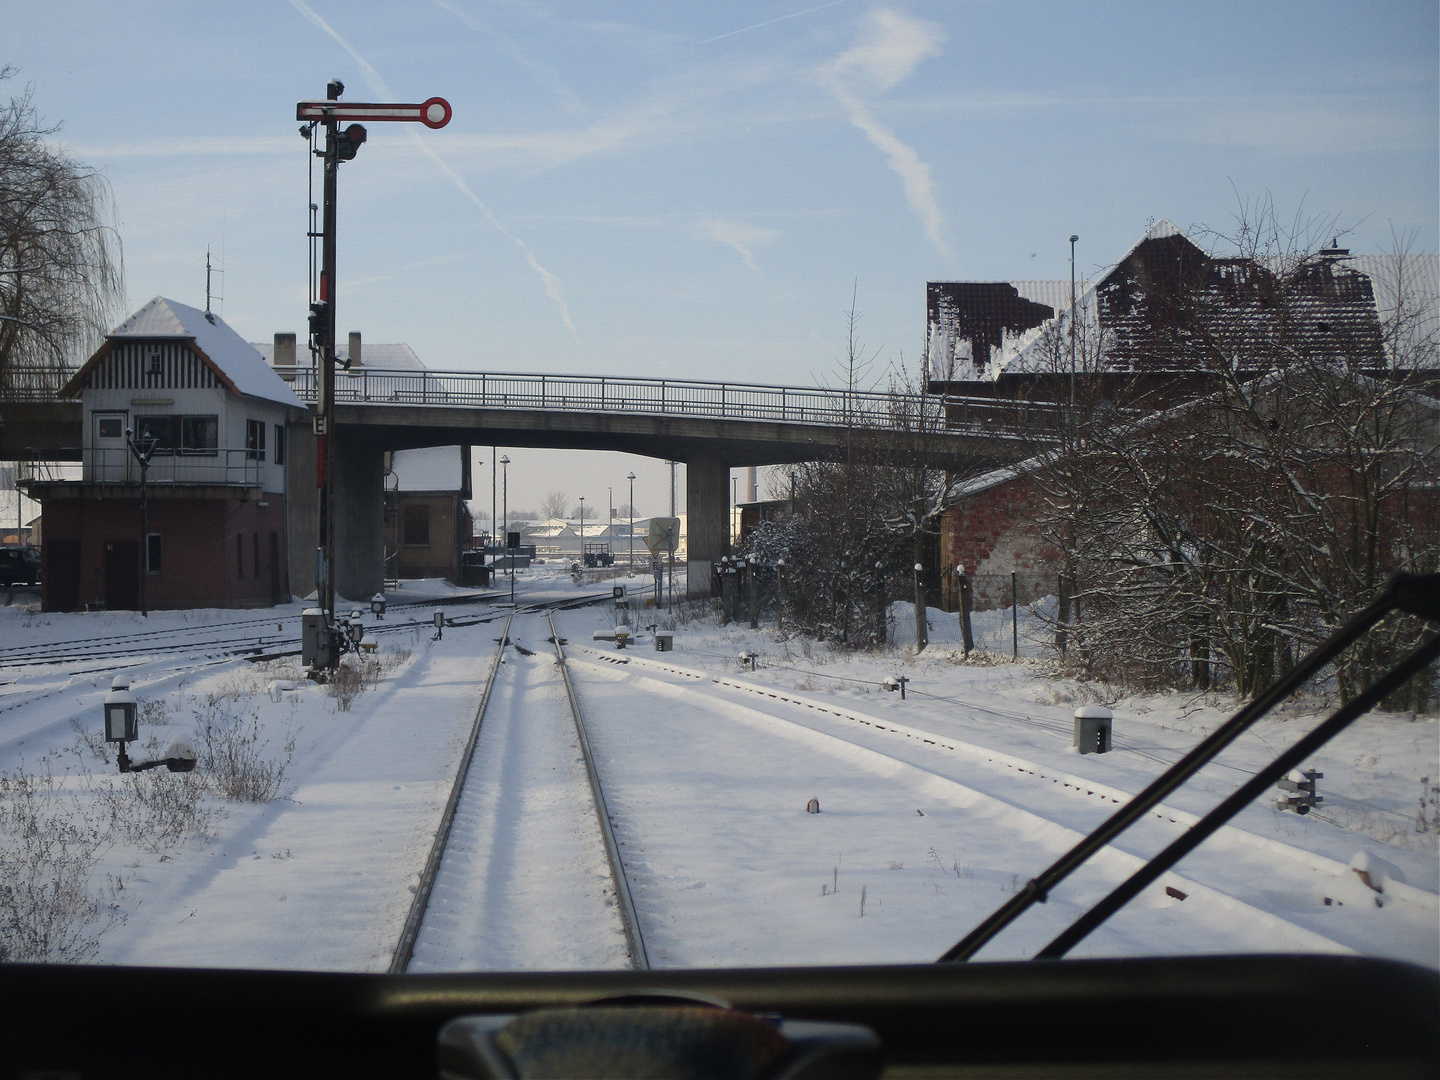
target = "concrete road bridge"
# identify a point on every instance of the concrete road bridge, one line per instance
(710, 426)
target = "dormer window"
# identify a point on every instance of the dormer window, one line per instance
(154, 368)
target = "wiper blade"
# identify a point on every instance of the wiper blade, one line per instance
(1414, 594)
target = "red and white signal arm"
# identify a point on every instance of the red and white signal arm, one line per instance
(434, 113)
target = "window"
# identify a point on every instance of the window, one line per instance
(240, 556)
(199, 434)
(417, 525)
(160, 428)
(188, 434)
(255, 440)
(152, 553)
(279, 444)
(110, 427)
(155, 364)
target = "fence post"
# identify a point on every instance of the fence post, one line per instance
(1014, 618)
(966, 635)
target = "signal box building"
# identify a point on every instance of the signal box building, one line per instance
(219, 417)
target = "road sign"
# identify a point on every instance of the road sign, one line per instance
(663, 534)
(434, 113)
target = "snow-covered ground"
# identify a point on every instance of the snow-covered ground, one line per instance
(933, 809)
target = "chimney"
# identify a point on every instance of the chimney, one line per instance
(284, 351)
(355, 347)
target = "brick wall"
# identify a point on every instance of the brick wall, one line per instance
(201, 564)
(992, 533)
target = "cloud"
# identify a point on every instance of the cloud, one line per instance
(554, 288)
(738, 235)
(892, 45)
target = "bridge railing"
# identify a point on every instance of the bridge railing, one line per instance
(683, 397)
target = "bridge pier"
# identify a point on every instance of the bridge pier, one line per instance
(359, 516)
(707, 503)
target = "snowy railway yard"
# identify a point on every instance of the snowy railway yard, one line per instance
(933, 810)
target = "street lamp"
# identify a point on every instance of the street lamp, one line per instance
(631, 478)
(505, 512)
(582, 531)
(1073, 239)
(143, 451)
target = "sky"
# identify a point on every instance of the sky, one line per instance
(701, 191)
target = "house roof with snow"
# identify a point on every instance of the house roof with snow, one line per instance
(236, 363)
(986, 330)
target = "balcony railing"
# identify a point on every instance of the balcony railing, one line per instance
(117, 465)
(676, 397)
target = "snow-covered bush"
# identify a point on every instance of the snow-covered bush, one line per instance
(233, 759)
(48, 847)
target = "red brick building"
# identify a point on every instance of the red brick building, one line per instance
(1008, 340)
(218, 418)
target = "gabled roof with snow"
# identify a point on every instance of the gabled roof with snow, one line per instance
(236, 363)
(1335, 301)
(981, 330)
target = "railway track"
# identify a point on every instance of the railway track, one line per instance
(522, 796)
(1242, 883)
(499, 892)
(223, 640)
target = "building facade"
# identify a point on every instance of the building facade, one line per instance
(181, 382)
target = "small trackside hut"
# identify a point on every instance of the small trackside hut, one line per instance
(218, 417)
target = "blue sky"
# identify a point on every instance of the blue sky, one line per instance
(693, 190)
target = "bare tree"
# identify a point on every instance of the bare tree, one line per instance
(582, 512)
(555, 504)
(1222, 530)
(861, 522)
(61, 268)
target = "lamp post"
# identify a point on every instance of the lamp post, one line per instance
(505, 513)
(143, 451)
(631, 478)
(582, 532)
(1073, 238)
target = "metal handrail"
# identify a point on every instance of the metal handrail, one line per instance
(721, 400)
(215, 466)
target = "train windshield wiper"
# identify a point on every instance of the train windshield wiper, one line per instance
(1413, 594)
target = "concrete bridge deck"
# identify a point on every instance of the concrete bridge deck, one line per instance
(710, 426)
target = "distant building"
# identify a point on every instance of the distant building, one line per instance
(219, 418)
(999, 339)
(427, 524)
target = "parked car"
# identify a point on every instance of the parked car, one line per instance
(19, 566)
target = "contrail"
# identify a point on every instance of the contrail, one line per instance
(554, 287)
(770, 22)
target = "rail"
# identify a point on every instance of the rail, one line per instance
(405, 949)
(634, 940)
(680, 397)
